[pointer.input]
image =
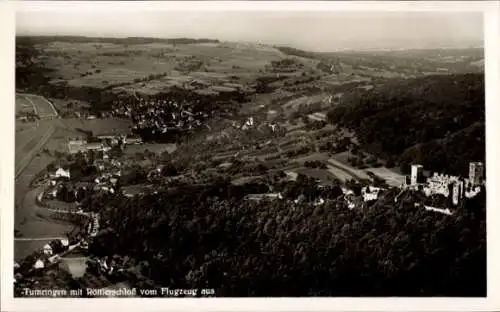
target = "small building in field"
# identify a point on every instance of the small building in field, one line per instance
(317, 117)
(95, 146)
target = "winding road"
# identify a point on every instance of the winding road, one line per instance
(35, 230)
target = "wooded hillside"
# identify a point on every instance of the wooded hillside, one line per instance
(435, 120)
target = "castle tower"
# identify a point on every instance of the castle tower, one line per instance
(476, 173)
(456, 193)
(416, 174)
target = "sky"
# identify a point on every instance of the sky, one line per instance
(315, 31)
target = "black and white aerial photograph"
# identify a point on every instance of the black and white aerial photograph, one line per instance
(197, 154)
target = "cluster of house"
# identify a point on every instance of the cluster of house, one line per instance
(162, 115)
(49, 254)
(93, 227)
(107, 182)
(60, 173)
(250, 123)
(109, 172)
(368, 194)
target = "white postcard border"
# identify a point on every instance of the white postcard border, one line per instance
(492, 72)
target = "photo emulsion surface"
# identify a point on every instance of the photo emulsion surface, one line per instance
(249, 154)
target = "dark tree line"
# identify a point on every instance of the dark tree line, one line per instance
(127, 41)
(30, 70)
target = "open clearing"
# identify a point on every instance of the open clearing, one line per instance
(339, 173)
(76, 266)
(24, 248)
(392, 178)
(153, 148)
(355, 173)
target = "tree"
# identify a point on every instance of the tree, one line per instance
(404, 167)
(390, 162)
(50, 167)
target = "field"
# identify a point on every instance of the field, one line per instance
(245, 179)
(24, 248)
(323, 175)
(339, 173)
(68, 107)
(137, 189)
(305, 100)
(355, 173)
(25, 135)
(393, 178)
(311, 157)
(59, 142)
(23, 126)
(153, 148)
(97, 126)
(122, 66)
(29, 142)
(74, 265)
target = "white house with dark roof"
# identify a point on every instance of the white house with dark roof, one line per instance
(60, 173)
(47, 250)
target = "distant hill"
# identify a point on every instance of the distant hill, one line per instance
(410, 61)
(128, 40)
(434, 120)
